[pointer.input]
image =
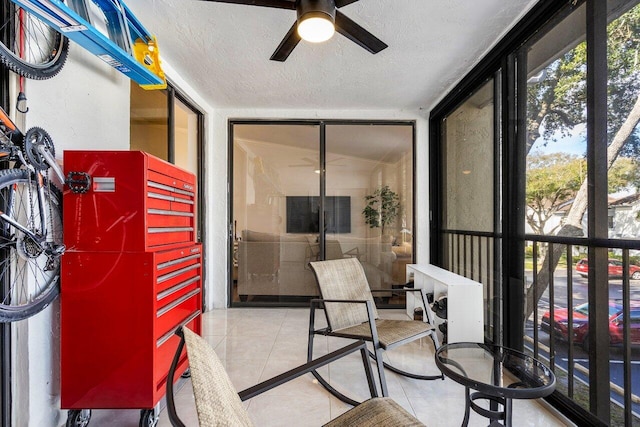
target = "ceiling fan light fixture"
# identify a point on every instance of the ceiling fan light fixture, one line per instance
(316, 20)
(316, 27)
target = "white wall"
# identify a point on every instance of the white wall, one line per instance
(87, 107)
(77, 109)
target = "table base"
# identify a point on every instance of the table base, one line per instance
(494, 415)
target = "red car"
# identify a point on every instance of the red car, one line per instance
(581, 324)
(615, 269)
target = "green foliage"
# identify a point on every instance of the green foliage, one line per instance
(382, 207)
(554, 179)
(557, 103)
(625, 172)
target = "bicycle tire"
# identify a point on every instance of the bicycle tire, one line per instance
(44, 50)
(29, 279)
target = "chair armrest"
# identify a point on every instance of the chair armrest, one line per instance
(315, 301)
(398, 290)
(353, 253)
(312, 366)
(423, 296)
(395, 291)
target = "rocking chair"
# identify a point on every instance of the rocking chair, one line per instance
(351, 313)
(218, 404)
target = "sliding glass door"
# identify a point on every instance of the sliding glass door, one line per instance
(308, 191)
(276, 186)
(370, 170)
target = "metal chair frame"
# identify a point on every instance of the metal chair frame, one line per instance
(267, 385)
(377, 347)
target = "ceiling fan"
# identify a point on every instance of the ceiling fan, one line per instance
(317, 21)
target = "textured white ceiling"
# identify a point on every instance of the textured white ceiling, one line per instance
(223, 51)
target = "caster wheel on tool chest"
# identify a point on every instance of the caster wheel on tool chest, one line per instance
(186, 374)
(148, 418)
(78, 418)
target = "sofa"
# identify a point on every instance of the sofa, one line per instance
(277, 264)
(273, 264)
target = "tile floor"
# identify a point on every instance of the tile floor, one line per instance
(257, 344)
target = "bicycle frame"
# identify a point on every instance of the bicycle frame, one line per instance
(51, 249)
(6, 217)
(6, 121)
(9, 149)
(16, 134)
(129, 47)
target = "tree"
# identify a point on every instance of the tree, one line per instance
(552, 181)
(559, 101)
(382, 208)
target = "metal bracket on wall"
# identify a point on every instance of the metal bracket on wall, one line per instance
(127, 46)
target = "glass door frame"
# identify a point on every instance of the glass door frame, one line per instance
(322, 124)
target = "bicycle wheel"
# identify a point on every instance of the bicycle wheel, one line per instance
(29, 275)
(29, 46)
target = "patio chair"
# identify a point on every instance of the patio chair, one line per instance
(351, 313)
(218, 404)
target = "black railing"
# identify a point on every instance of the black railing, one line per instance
(471, 254)
(554, 330)
(625, 404)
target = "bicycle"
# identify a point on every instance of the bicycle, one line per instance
(33, 48)
(30, 222)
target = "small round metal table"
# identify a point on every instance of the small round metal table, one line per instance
(497, 374)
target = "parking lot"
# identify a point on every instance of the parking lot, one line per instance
(580, 357)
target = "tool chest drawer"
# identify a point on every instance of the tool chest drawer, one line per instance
(117, 325)
(168, 315)
(177, 270)
(166, 347)
(131, 201)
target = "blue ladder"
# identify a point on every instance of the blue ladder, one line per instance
(127, 47)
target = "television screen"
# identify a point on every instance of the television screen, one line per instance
(302, 214)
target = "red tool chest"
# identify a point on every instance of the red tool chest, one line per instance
(132, 274)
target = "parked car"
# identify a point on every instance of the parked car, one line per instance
(581, 324)
(615, 269)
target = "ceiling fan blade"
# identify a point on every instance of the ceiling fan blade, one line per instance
(278, 4)
(288, 43)
(357, 34)
(343, 3)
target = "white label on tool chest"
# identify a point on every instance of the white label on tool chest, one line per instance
(104, 185)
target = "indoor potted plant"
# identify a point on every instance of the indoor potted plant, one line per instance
(381, 208)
